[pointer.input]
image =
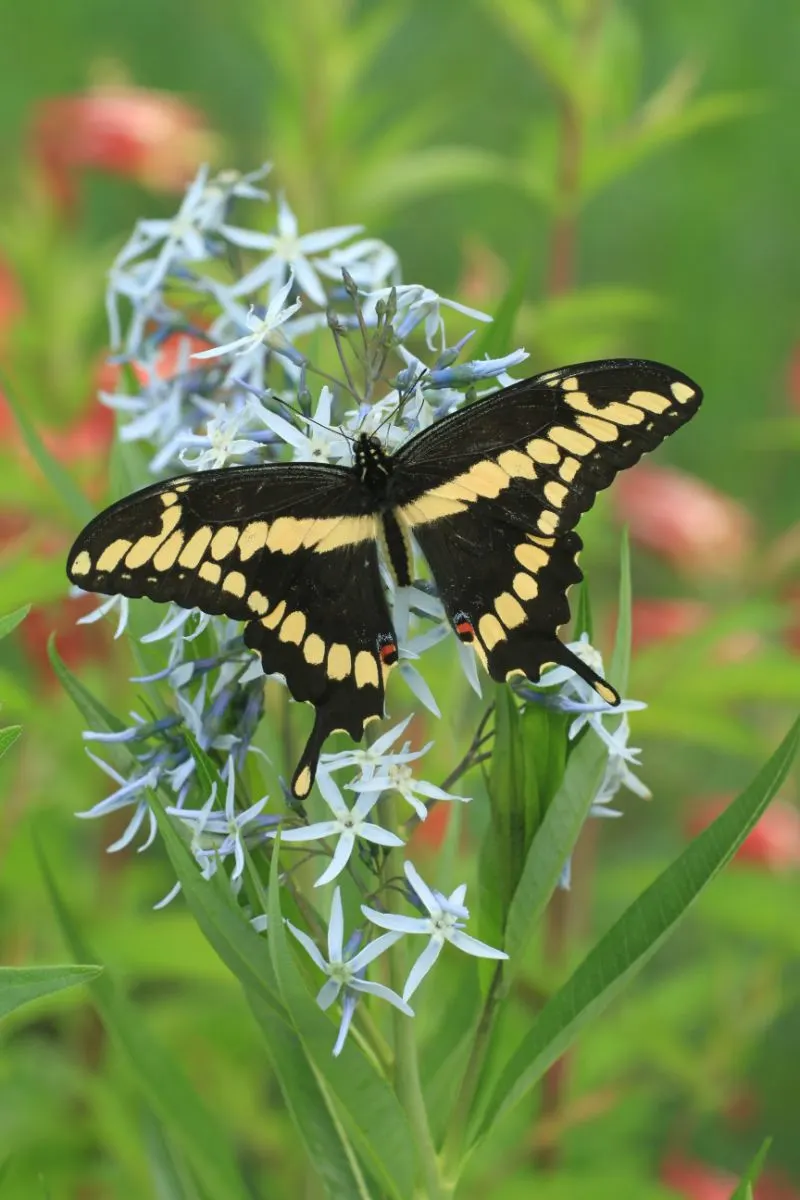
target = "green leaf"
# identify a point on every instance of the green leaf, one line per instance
(160, 1077)
(59, 479)
(8, 736)
(96, 714)
(12, 620)
(421, 173)
(21, 985)
(745, 1189)
(633, 940)
(219, 917)
(498, 338)
(369, 1108)
(327, 1145)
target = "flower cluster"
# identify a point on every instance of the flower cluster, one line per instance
(213, 324)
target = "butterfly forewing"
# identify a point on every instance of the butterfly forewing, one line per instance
(493, 492)
(290, 549)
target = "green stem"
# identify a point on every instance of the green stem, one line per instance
(406, 1062)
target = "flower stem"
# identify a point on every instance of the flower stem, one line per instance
(406, 1062)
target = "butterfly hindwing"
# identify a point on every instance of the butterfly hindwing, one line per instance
(290, 550)
(492, 495)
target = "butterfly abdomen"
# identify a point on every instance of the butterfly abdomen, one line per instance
(396, 547)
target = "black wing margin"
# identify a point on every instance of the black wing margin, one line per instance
(288, 548)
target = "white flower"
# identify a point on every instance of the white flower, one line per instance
(289, 252)
(260, 327)
(417, 304)
(120, 602)
(348, 824)
(320, 443)
(347, 973)
(444, 923)
(229, 825)
(221, 441)
(399, 777)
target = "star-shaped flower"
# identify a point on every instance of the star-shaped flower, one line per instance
(277, 312)
(346, 972)
(289, 253)
(444, 923)
(347, 824)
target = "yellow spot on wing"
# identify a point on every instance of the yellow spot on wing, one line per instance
(570, 384)
(165, 556)
(258, 603)
(302, 785)
(606, 693)
(195, 548)
(252, 539)
(650, 401)
(532, 557)
(542, 450)
(548, 522)
(339, 661)
(210, 572)
(82, 564)
(235, 583)
(314, 649)
(432, 506)
(485, 479)
(555, 493)
(572, 440)
(602, 430)
(525, 585)
(515, 463)
(490, 630)
(293, 628)
(509, 610)
(275, 617)
(168, 498)
(681, 391)
(366, 669)
(143, 550)
(569, 469)
(224, 541)
(110, 558)
(333, 532)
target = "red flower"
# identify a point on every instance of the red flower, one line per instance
(696, 528)
(792, 597)
(429, 834)
(659, 620)
(149, 136)
(773, 844)
(77, 644)
(695, 1180)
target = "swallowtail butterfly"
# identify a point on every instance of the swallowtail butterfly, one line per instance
(491, 494)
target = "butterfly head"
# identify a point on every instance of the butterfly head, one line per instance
(372, 463)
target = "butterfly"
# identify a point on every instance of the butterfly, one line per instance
(490, 494)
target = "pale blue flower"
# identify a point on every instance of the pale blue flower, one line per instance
(346, 972)
(444, 923)
(347, 824)
(277, 312)
(235, 829)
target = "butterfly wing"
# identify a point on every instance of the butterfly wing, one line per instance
(288, 548)
(493, 493)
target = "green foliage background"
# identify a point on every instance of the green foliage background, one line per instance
(434, 123)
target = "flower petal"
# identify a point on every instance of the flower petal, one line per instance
(421, 967)
(471, 945)
(341, 856)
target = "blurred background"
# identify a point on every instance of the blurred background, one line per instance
(629, 172)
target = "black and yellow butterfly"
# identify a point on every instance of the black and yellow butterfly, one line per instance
(491, 494)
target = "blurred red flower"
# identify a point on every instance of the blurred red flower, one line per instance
(429, 834)
(775, 841)
(77, 644)
(696, 1180)
(659, 620)
(152, 137)
(696, 528)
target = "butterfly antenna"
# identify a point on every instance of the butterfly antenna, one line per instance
(405, 395)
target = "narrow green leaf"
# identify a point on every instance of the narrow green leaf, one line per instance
(745, 1189)
(632, 941)
(582, 618)
(161, 1078)
(97, 715)
(220, 919)
(20, 985)
(170, 1176)
(369, 1108)
(323, 1135)
(498, 338)
(8, 736)
(12, 620)
(621, 656)
(59, 479)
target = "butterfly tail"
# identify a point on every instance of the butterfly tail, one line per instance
(565, 657)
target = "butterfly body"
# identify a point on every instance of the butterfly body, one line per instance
(490, 494)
